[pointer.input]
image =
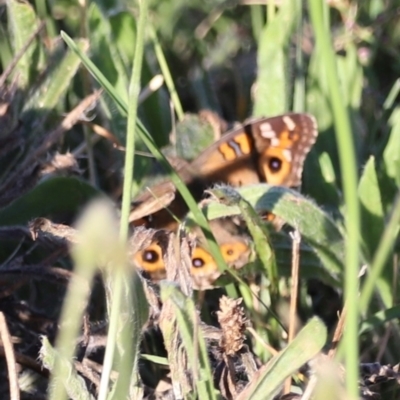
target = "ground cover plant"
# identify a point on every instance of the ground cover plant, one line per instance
(270, 290)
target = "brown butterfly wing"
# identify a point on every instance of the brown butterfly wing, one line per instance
(152, 200)
(282, 145)
(269, 150)
(162, 206)
(231, 160)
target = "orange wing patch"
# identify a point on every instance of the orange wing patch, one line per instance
(276, 161)
(238, 146)
(150, 259)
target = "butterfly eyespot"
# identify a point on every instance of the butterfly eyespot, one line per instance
(150, 261)
(275, 164)
(233, 251)
(151, 256)
(268, 216)
(198, 262)
(202, 261)
(228, 252)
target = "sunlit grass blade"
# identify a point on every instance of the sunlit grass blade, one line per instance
(23, 23)
(98, 245)
(67, 376)
(271, 97)
(348, 163)
(56, 80)
(167, 75)
(382, 253)
(128, 378)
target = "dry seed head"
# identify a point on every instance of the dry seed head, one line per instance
(233, 324)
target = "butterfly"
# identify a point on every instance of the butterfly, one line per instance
(271, 150)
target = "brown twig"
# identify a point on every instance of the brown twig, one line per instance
(338, 332)
(28, 362)
(10, 358)
(262, 342)
(53, 274)
(66, 124)
(89, 374)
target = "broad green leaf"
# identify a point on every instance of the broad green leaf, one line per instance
(191, 136)
(258, 231)
(311, 266)
(351, 76)
(57, 81)
(379, 319)
(372, 221)
(105, 53)
(391, 155)
(306, 345)
(315, 226)
(271, 95)
(22, 23)
(55, 196)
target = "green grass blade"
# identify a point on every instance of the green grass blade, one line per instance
(372, 209)
(129, 355)
(391, 156)
(98, 244)
(347, 163)
(382, 253)
(57, 81)
(167, 75)
(185, 312)
(68, 377)
(22, 23)
(306, 345)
